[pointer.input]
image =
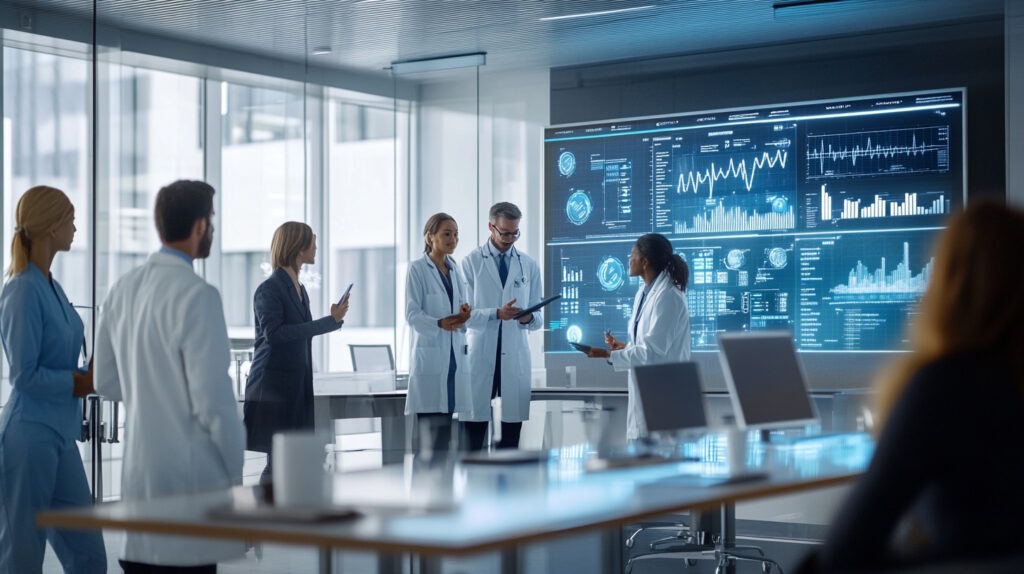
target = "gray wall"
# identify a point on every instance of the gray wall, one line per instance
(967, 55)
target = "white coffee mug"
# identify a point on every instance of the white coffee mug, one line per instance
(298, 469)
(736, 444)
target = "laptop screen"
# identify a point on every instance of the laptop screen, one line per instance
(670, 396)
(765, 379)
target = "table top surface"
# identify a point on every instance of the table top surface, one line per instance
(457, 508)
(386, 384)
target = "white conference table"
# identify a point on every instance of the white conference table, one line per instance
(457, 509)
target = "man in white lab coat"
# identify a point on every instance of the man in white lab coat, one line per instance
(162, 348)
(501, 281)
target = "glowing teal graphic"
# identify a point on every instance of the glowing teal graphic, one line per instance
(778, 257)
(611, 274)
(578, 208)
(567, 163)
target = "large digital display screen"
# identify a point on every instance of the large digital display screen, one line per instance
(815, 217)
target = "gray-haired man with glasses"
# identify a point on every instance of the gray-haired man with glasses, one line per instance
(501, 281)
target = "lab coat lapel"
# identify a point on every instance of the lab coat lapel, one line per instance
(491, 265)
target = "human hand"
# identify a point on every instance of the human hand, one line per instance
(451, 323)
(598, 353)
(464, 312)
(82, 384)
(339, 311)
(613, 343)
(508, 310)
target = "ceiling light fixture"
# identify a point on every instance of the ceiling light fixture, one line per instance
(598, 13)
(321, 50)
(438, 63)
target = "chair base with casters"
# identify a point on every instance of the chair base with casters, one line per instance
(692, 545)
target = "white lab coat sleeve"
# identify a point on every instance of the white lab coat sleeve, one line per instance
(415, 297)
(206, 355)
(656, 337)
(104, 361)
(536, 294)
(478, 318)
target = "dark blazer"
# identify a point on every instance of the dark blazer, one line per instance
(279, 390)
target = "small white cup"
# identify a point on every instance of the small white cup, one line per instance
(736, 443)
(298, 470)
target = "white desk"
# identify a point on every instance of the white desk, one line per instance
(492, 507)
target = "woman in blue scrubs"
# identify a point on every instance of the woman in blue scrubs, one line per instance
(40, 467)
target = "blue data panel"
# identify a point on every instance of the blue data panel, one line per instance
(815, 217)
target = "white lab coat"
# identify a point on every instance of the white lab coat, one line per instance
(662, 336)
(487, 295)
(426, 301)
(162, 348)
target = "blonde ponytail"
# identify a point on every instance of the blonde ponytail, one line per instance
(40, 210)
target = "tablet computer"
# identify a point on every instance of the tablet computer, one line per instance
(582, 348)
(537, 307)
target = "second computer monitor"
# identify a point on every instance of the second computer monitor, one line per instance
(765, 379)
(670, 396)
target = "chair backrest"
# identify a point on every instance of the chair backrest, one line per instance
(372, 358)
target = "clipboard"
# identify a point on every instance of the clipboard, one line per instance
(537, 307)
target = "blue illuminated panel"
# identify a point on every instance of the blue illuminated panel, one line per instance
(815, 217)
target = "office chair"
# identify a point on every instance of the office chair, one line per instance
(372, 358)
(692, 545)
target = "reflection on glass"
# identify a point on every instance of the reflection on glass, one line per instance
(263, 185)
(46, 142)
(361, 217)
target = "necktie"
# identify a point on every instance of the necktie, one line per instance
(502, 269)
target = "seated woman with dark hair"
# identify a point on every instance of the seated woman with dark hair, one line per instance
(948, 454)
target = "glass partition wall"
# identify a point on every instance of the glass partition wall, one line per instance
(365, 167)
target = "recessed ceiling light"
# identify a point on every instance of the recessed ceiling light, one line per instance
(439, 63)
(321, 50)
(598, 13)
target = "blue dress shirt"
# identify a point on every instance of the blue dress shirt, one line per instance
(42, 336)
(172, 251)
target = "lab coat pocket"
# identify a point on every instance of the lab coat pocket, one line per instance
(428, 361)
(437, 305)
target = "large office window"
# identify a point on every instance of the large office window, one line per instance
(151, 137)
(46, 142)
(263, 166)
(361, 152)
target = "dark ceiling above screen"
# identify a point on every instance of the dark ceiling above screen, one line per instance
(370, 34)
(813, 217)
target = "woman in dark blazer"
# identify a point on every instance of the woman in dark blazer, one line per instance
(279, 390)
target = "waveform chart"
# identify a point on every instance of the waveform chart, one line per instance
(879, 152)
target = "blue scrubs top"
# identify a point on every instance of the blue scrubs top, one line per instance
(42, 336)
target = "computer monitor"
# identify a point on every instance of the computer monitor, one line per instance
(372, 358)
(765, 379)
(670, 397)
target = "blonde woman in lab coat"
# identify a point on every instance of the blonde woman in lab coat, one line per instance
(659, 329)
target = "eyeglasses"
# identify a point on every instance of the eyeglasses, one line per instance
(506, 235)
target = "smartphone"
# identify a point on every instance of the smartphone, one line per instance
(345, 294)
